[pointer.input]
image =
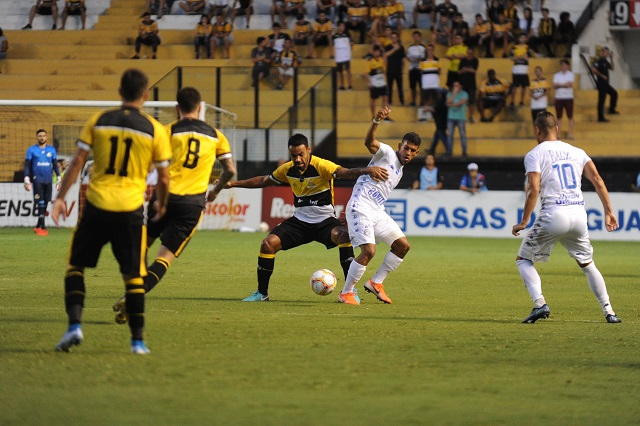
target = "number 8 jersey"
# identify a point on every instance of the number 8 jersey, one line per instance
(125, 142)
(560, 166)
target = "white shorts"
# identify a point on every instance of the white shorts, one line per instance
(566, 225)
(286, 71)
(371, 227)
(218, 3)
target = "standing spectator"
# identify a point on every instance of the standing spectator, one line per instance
(501, 35)
(191, 7)
(328, 7)
(430, 78)
(394, 56)
(424, 6)
(440, 112)
(540, 88)
(357, 12)
(447, 8)
(40, 164)
(288, 61)
(456, 52)
(376, 80)
(342, 47)
(460, 27)
(492, 94)
(566, 33)
(277, 39)
(547, 33)
(529, 27)
(441, 31)
(75, 8)
(600, 68)
(203, 36)
(221, 36)
(322, 33)
(45, 8)
(416, 53)
(261, 58)
(245, 8)
(430, 178)
(303, 34)
(473, 181)
(467, 77)
(395, 15)
(482, 37)
(494, 10)
(4, 46)
(457, 100)
(147, 35)
(520, 55)
(563, 84)
(511, 13)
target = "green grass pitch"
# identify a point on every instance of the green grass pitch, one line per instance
(449, 350)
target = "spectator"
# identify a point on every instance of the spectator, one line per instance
(547, 33)
(430, 178)
(322, 33)
(424, 6)
(511, 13)
(221, 36)
(357, 12)
(440, 111)
(394, 57)
(539, 90)
(520, 54)
(327, 7)
(75, 8)
(563, 84)
(277, 39)
(342, 47)
(456, 52)
(467, 77)
(217, 7)
(441, 32)
(482, 37)
(395, 15)
(430, 78)
(636, 187)
(377, 18)
(494, 11)
(147, 35)
(416, 53)
(288, 61)
(457, 100)
(158, 7)
(376, 80)
(492, 95)
(45, 8)
(295, 7)
(278, 7)
(501, 35)
(203, 36)
(4, 46)
(529, 27)
(62, 167)
(460, 27)
(447, 9)
(191, 7)
(473, 181)
(244, 8)
(303, 34)
(566, 33)
(341, 10)
(600, 68)
(261, 57)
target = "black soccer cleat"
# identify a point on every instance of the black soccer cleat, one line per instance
(537, 313)
(613, 319)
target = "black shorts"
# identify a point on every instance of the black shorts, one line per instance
(520, 80)
(76, 11)
(178, 225)
(124, 230)
(491, 103)
(323, 40)
(301, 41)
(245, 4)
(415, 77)
(343, 66)
(42, 191)
(376, 92)
(293, 232)
(424, 9)
(45, 10)
(242, 11)
(472, 95)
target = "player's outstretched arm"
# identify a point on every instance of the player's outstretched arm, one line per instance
(70, 176)
(370, 140)
(254, 182)
(379, 174)
(591, 173)
(228, 171)
(533, 189)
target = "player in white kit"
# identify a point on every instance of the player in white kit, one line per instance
(554, 170)
(368, 222)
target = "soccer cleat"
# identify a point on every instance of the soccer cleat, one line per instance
(613, 319)
(139, 348)
(42, 232)
(70, 338)
(257, 297)
(537, 313)
(349, 298)
(121, 311)
(378, 291)
(36, 230)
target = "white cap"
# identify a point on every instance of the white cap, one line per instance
(472, 166)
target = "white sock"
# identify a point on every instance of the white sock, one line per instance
(390, 263)
(531, 281)
(598, 287)
(356, 271)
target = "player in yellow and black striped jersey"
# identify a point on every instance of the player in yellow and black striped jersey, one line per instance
(195, 145)
(311, 181)
(125, 143)
(492, 94)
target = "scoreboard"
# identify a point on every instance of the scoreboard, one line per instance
(624, 15)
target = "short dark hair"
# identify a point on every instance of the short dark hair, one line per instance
(417, 32)
(565, 61)
(412, 138)
(188, 99)
(297, 140)
(133, 84)
(276, 25)
(545, 121)
(478, 15)
(41, 131)
(260, 39)
(544, 9)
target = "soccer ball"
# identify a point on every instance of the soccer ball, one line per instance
(323, 282)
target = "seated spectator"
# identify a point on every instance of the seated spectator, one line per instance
(430, 179)
(288, 60)
(244, 8)
(217, 7)
(430, 78)
(492, 94)
(322, 33)
(327, 7)
(424, 6)
(547, 32)
(377, 17)
(494, 10)
(45, 8)
(147, 35)
(277, 39)
(460, 27)
(75, 8)
(203, 36)
(502, 35)
(261, 57)
(357, 12)
(636, 187)
(295, 7)
(441, 32)
(191, 7)
(221, 36)
(566, 32)
(4, 45)
(395, 14)
(303, 34)
(482, 37)
(529, 27)
(158, 7)
(342, 45)
(278, 7)
(447, 8)
(341, 10)
(511, 13)
(473, 181)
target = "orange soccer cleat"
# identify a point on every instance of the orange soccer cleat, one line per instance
(378, 291)
(349, 298)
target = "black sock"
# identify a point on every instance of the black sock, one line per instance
(134, 303)
(155, 272)
(346, 257)
(42, 208)
(74, 291)
(266, 264)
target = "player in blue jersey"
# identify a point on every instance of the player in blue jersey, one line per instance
(40, 164)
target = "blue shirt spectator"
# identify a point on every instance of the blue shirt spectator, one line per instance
(473, 181)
